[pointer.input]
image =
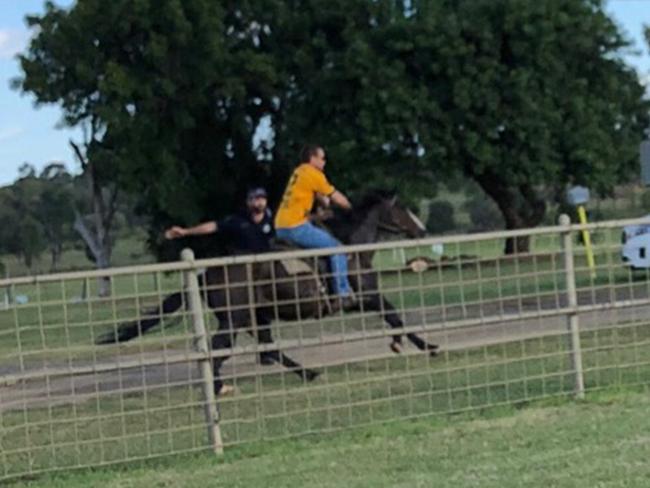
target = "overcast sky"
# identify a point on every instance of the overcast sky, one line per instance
(31, 135)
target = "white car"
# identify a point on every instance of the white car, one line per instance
(636, 245)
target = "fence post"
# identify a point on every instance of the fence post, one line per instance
(573, 321)
(201, 345)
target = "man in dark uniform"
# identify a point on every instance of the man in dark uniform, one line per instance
(246, 232)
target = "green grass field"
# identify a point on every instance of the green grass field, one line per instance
(128, 250)
(599, 442)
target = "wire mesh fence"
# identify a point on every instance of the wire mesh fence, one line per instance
(200, 355)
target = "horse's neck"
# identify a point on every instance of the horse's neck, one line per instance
(368, 230)
(357, 231)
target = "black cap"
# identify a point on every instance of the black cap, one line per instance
(256, 193)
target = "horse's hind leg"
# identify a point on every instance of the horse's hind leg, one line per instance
(130, 330)
(264, 337)
(223, 339)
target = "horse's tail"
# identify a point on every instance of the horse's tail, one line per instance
(130, 330)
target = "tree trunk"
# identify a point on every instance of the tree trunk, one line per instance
(98, 250)
(97, 237)
(517, 245)
(520, 206)
(104, 282)
(55, 254)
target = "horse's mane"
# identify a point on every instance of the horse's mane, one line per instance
(344, 223)
(370, 199)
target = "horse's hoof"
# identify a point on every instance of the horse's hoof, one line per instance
(434, 349)
(310, 375)
(266, 360)
(227, 390)
(396, 347)
(107, 338)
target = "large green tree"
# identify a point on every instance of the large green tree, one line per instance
(538, 96)
(172, 92)
(348, 88)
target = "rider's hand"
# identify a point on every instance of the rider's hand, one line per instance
(175, 232)
(323, 200)
(320, 214)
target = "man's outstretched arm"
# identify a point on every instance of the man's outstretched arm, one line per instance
(198, 230)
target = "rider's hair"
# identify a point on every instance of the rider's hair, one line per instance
(307, 151)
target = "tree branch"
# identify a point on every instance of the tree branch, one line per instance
(112, 208)
(83, 161)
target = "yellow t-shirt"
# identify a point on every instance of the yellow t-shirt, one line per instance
(298, 198)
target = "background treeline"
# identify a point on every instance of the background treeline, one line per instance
(44, 215)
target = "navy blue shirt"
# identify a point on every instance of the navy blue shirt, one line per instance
(243, 235)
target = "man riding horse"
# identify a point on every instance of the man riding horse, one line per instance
(307, 182)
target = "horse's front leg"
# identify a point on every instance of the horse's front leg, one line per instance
(365, 282)
(379, 303)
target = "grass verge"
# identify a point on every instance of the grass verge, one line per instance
(597, 442)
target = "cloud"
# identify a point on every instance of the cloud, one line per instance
(8, 133)
(12, 41)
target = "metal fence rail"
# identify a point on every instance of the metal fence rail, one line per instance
(510, 329)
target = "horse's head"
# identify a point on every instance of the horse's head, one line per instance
(396, 218)
(392, 216)
(375, 211)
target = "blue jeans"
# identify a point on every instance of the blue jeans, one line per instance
(311, 237)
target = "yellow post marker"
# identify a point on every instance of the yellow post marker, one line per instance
(586, 238)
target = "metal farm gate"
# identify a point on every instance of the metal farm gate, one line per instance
(510, 329)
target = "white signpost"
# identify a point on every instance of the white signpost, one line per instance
(578, 196)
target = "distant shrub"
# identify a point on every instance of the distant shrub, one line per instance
(483, 214)
(441, 217)
(645, 201)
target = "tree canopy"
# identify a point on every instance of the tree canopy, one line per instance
(36, 213)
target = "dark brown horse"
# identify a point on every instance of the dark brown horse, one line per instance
(234, 291)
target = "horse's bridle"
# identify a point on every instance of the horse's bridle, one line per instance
(393, 229)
